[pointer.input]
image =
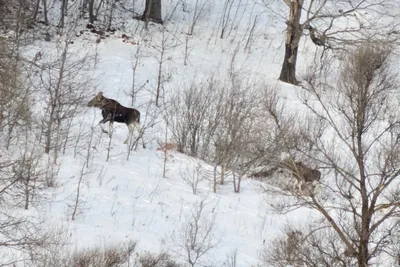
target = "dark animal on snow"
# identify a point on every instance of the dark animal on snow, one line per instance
(301, 172)
(112, 111)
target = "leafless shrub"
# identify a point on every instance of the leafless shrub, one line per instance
(135, 65)
(229, 16)
(161, 56)
(287, 250)
(280, 142)
(64, 83)
(192, 176)
(162, 259)
(226, 124)
(16, 15)
(318, 247)
(22, 173)
(148, 119)
(251, 38)
(166, 148)
(198, 12)
(196, 238)
(77, 201)
(193, 116)
(29, 174)
(14, 97)
(231, 259)
(26, 239)
(107, 256)
(237, 130)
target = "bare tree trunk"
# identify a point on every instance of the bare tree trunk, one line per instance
(363, 253)
(237, 179)
(54, 100)
(152, 11)
(63, 13)
(49, 130)
(159, 77)
(78, 192)
(46, 19)
(110, 18)
(293, 34)
(92, 16)
(215, 179)
(27, 192)
(35, 11)
(223, 166)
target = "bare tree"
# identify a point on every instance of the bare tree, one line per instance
(198, 12)
(167, 43)
(360, 156)
(304, 247)
(363, 20)
(222, 124)
(192, 176)
(196, 238)
(15, 70)
(24, 240)
(112, 5)
(231, 259)
(63, 13)
(77, 203)
(109, 255)
(162, 259)
(135, 64)
(65, 86)
(230, 16)
(29, 175)
(236, 134)
(194, 115)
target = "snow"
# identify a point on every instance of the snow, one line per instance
(130, 200)
(122, 200)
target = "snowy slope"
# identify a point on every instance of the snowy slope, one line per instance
(129, 199)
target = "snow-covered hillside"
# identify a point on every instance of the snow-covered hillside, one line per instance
(103, 193)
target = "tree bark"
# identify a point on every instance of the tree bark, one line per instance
(46, 19)
(92, 16)
(293, 34)
(35, 11)
(152, 11)
(63, 13)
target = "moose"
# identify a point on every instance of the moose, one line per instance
(112, 111)
(301, 172)
(296, 169)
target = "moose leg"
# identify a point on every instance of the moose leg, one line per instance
(297, 184)
(110, 129)
(300, 183)
(139, 128)
(105, 119)
(102, 129)
(130, 133)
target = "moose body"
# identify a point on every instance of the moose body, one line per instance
(112, 111)
(301, 172)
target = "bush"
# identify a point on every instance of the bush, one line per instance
(110, 256)
(162, 259)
